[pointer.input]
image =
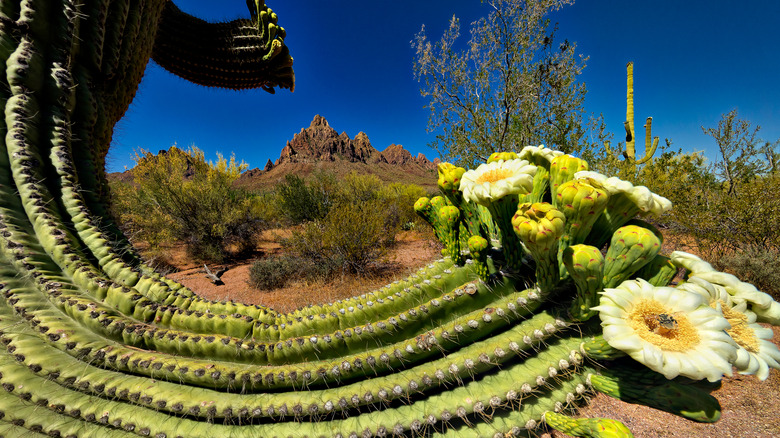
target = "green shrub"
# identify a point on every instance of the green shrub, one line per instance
(721, 223)
(356, 187)
(300, 202)
(277, 272)
(358, 234)
(352, 237)
(179, 196)
(272, 273)
(755, 265)
(398, 200)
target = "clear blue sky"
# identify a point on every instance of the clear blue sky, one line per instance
(693, 61)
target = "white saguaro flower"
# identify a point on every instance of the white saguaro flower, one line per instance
(492, 181)
(755, 351)
(671, 331)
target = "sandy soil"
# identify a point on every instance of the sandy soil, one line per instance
(409, 254)
(749, 406)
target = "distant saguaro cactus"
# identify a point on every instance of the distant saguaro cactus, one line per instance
(651, 143)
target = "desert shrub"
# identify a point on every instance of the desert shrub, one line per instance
(756, 265)
(352, 236)
(179, 196)
(723, 223)
(277, 272)
(301, 202)
(358, 234)
(356, 187)
(272, 273)
(398, 200)
(265, 206)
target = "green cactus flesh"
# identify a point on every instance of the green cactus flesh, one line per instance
(493, 341)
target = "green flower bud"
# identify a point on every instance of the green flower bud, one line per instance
(562, 169)
(585, 264)
(539, 226)
(449, 220)
(632, 247)
(449, 216)
(478, 248)
(582, 203)
(449, 178)
(478, 244)
(423, 208)
(495, 156)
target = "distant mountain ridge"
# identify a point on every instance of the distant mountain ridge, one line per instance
(320, 142)
(319, 147)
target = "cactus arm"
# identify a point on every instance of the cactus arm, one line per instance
(239, 54)
(650, 145)
(587, 427)
(648, 388)
(94, 343)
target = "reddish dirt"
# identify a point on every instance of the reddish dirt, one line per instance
(410, 252)
(749, 406)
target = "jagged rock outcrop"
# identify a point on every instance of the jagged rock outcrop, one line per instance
(251, 173)
(268, 165)
(320, 142)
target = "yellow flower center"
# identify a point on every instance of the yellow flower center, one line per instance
(495, 175)
(740, 331)
(664, 328)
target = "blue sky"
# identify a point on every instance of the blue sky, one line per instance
(693, 61)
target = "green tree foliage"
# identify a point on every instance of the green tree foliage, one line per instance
(739, 151)
(362, 218)
(301, 202)
(511, 86)
(179, 196)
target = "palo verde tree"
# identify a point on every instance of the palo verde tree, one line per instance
(741, 155)
(178, 195)
(510, 86)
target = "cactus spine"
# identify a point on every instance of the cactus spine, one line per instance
(494, 341)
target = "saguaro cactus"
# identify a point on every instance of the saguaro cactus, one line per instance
(95, 344)
(651, 143)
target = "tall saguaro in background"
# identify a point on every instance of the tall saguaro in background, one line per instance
(651, 143)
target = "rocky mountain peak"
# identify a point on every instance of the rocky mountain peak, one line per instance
(319, 121)
(320, 142)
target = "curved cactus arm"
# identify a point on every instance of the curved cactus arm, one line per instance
(587, 427)
(239, 54)
(651, 143)
(96, 344)
(642, 386)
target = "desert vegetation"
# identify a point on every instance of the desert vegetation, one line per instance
(338, 225)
